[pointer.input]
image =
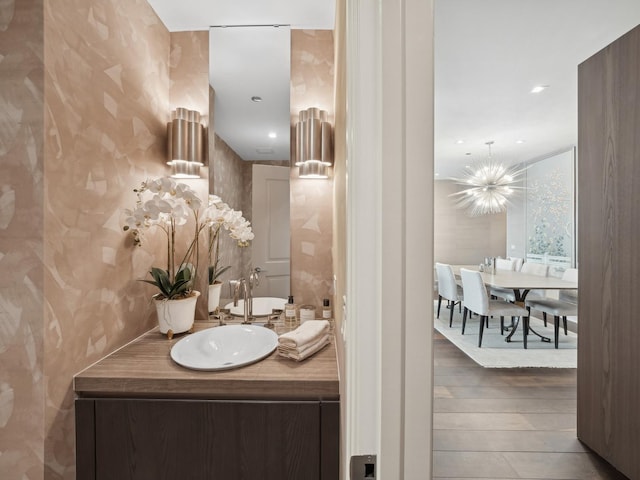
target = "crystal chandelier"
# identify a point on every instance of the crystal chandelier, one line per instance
(489, 185)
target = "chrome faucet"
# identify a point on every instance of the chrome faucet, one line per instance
(254, 281)
(242, 284)
(247, 291)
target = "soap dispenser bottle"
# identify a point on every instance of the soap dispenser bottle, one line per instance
(326, 309)
(326, 313)
(290, 317)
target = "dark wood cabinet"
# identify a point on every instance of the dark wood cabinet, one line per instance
(141, 416)
(176, 439)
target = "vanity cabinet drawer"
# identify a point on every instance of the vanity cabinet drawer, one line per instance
(159, 439)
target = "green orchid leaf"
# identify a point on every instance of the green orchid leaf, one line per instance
(162, 277)
(151, 282)
(216, 272)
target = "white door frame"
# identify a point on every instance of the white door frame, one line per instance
(389, 321)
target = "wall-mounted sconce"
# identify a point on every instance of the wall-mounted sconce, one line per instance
(185, 138)
(314, 146)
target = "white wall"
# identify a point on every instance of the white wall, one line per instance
(388, 336)
(517, 225)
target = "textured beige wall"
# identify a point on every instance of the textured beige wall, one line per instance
(189, 88)
(312, 85)
(189, 72)
(107, 104)
(22, 381)
(461, 239)
(312, 71)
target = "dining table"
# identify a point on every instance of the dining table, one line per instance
(521, 284)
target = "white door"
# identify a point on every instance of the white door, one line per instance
(270, 221)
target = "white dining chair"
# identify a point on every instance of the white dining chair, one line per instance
(519, 262)
(540, 269)
(571, 296)
(476, 300)
(505, 264)
(557, 307)
(502, 264)
(448, 289)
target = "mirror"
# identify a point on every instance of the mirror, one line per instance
(249, 70)
(249, 148)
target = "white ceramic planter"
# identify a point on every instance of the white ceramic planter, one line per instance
(214, 296)
(176, 316)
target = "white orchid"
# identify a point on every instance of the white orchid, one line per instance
(170, 206)
(243, 234)
(218, 215)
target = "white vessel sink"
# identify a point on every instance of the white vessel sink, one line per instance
(224, 348)
(262, 306)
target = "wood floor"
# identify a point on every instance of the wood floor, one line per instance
(507, 423)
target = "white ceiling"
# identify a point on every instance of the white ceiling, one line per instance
(184, 15)
(489, 54)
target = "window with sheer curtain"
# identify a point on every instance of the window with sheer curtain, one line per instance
(541, 224)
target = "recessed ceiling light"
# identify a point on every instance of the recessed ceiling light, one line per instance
(273, 134)
(459, 142)
(437, 174)
(468, 153)
(539, 88)
(519, 141)
(256, 99)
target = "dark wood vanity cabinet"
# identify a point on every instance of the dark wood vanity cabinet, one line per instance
(140, 416)
(171, 439)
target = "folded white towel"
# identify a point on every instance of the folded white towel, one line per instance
(306, 352)
(308, 333)
(302, 348)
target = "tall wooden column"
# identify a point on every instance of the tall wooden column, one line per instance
(609, 253)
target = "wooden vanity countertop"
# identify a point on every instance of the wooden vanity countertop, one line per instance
(144, 369)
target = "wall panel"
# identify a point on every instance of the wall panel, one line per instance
(189, 88)
(461, 239)
(22, 382)
(609, 258)
(312, 80)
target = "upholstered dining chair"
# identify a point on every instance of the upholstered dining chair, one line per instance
(557, 307)
(519, 261)
(476, 300)
(539, 269)
(502, 264)
(448, 289)
(571, 296)
(505, 264)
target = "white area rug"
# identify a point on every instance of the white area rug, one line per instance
(496, 353)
